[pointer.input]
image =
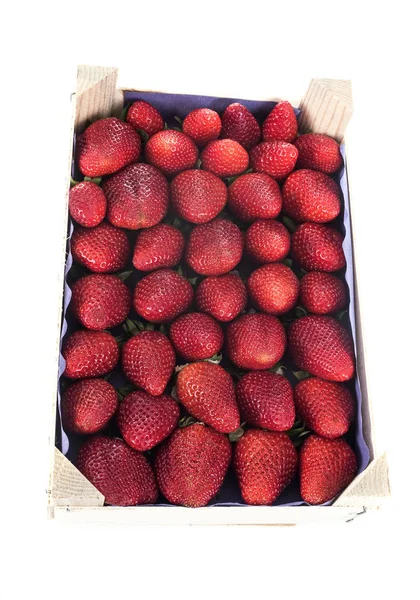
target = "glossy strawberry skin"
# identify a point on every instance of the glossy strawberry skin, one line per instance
(87, 204)
(254, 196)
(88, 405)
(89, 354)
(171, 152)
(319, 152)
(102, 249)
(202, 125)
(273, 288)
(276, 159)
(224, 297)
(311, 196)
(146, 117)
(318, 247)
(239, 124)
(162, 295)
(267, 241)
(196, 336)
(158, 247)
(198, 196)
(224, 158)
(322, 293)
(281, 124)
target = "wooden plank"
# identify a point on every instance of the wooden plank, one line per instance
(96, 94)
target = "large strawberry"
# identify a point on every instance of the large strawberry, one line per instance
(265, 463)
(321, 346)
(146, 117)
(102, 249)
(254, 196)
(281, 124)
(162, 295)
(239, 124)
(276, 158)
(171, 151)
(221, 297)
(198, 196)
(322, 293)
(88, 405)
(267, 241)
(318, 247)
(224, 158)
(191, 465)
(202, 125)
(196, 336)
(158, 247)
(319, 152)
(107, 146)
(273, 288)
(87, 204)
(89, 354)
(311, 196)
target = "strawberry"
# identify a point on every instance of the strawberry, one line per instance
(327, 408)
(162, 295)
(255, 341)
(100, 301)
(157, 247)
(102, 249)
(214, 248)
(146, 117)
(240, 125)
(120, 473)
(88, 405)
(319, 152)
(171, 152)
(326, 468)
(87, 204)
(221, 297)
(148, 361)
(107, 146)
(281, 124)
(254, 196)
(196, 336)
(191, 465)
(322, 293)
(321, 346)
(198, 196)
(202, 125)
(145, 420)
(267, 241)
(273, 288)
(311, 196)
(265, 463)
(266, 400)
(138, 196)
(318, 247)
(276, 158)
(89, 354)
(224, 158)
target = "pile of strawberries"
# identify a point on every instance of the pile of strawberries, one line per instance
(226, 223)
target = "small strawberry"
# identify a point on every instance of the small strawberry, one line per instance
(319, 152)
(327, 408)
(146, 117)
(221, 297)
(120, 473)
(88, 405)
(224, 158)
(162, 295)
(255, 341)
(145, 420)
(239, 124)
(102, 249)
(191, 465)
(148, 361)
(138, 196)
(196, 336)
(277, 159)
(311, 196)
(171, 151)
(321, 346)
(107, 146)
(273, 288)
(322, 293)
(254, 196)
(281, 124)
(266, 400)
(158, 247)
(265, 463)
(267, 241)
(318, 247)
(89, 354)
(87, 204)
(326, 468)
(198, 196)
(202, 125)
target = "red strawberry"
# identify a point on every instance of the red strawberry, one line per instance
(162, 295)
(266, 400)
(148, 361)
(273, 288)
(214, 248)
(138, 196)
(120, 473)
(196, 336)
(88, 405)
(276, 158)
(319, 152)
(87, 204)
(311, 196)
(281, 124)
(198, 196)
(100, 301)
(146, 117)
(240, 125)
(202, 125)
(107, 146)
(89, 354)
(267, 241)
(207, 392)
(327, 408)
(254, 196)
(221, 297)
(157, 247)
(321, 346)
(102, 249)
(255, 342)
(224, 158)
(171, 151)
(322, 293)
(265, 463)
(326, 468)
(145, 420)
(318, 247)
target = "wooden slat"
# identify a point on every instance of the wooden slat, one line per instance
(96, 94)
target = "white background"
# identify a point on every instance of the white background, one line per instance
(254, 50)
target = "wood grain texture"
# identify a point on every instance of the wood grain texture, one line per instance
(96, 94)
(370, 489)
